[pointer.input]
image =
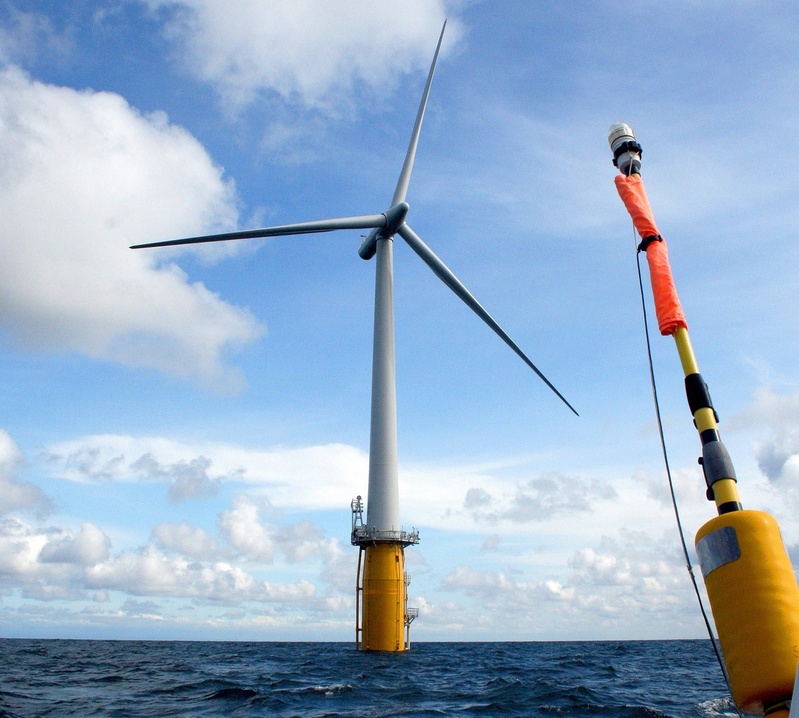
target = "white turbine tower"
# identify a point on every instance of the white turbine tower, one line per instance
(381, 582)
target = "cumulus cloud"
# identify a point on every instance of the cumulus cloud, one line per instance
(627, 578)
(540, 499)
(187, 540)
(141, 609)
(525, 605)
(778, 458)
(182, 562)
(187, 479)
(476, 499)
(89, 547)
(83, 176)
(251, 537)
(16, 495)
(148, 572)
(300, 541)
(633, 584)
(26, 35)
(474, 582)
(20, 548)
(339, 566)
(68, 567)
(242, 528)
(311, 477)
(631, 569)
(307, 52)
(777, 417)
(493, 585)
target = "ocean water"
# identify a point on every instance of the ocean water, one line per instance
(316, 680)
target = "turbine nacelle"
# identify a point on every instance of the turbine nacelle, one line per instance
(395, 218)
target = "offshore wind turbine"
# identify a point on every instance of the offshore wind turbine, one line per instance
(381, 596)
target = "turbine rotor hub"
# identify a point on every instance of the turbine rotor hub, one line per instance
(394, 219)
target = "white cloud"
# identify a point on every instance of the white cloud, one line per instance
(627, 583)
(313, 52)
(254, 539)
(778, 458)
(339, 566)
(67, 567)
(10, 455)
(20, 548)
(242, 528)
(58, 564)
(26, 35)
(187, 540)
(148, 572)
(16, 495)
(768, 409)
(187, 479)
(482, 583)
(83, 176)
(542, 499)
(327, 476)
(312, 477)
(181, 562)
(774, 420)
(300, 541)
(141, 609)
(631, 570)
(90, 547)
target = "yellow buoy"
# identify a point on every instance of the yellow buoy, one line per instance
(755, 601)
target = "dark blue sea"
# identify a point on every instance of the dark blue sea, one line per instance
(315, 680)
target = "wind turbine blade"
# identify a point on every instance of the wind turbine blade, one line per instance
(366, 221)
(407, 167)
(445, 274)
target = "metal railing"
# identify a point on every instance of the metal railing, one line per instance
(362, 535)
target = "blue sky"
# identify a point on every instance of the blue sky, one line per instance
(183, 430)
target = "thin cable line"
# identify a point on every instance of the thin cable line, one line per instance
(680, 531)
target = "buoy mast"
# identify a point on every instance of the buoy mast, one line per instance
(749, 578)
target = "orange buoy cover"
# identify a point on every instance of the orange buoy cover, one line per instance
(667, 303)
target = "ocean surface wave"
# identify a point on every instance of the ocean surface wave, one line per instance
(143, 679)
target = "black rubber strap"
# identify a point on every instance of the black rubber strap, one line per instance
(646, 241)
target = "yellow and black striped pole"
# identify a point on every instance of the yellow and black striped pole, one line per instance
(716, 462)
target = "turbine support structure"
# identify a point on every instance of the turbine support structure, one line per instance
(382, 615)
(381, 587)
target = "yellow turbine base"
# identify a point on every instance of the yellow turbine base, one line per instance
(384, 598)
